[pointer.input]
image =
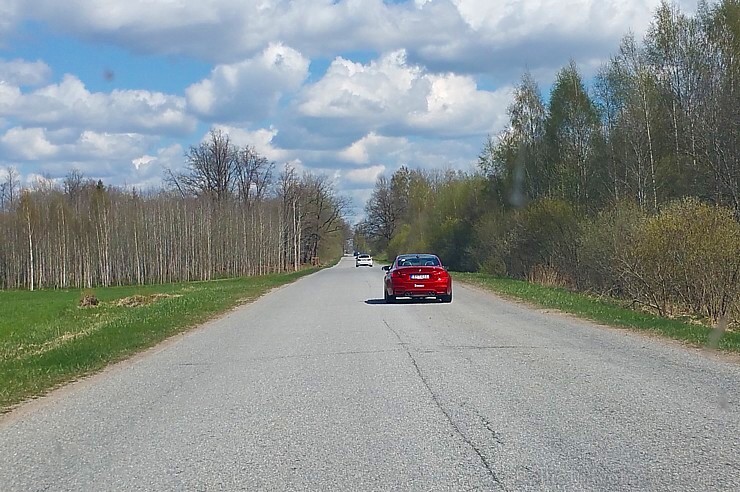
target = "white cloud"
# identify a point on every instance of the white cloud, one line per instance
(170, 157)
(92, 145)
(476, 35)
(70, 104)
(374, 145)
(399, 98)
(146, 171)
(218, 30)
(350, 89)
(455, 106)
(248, 90)
(122, 15)
(261, 140)
(517, 19)
(20, 72)
(39, 144)
(8, 17)
(120, 159)
(143, 161)
(27, 144)
(366, 175)
(36, 181)
(9, 97)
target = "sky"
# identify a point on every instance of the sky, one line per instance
(120, 89)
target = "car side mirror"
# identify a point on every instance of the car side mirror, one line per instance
(386, 268)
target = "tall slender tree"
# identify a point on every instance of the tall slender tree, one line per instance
(571, 130)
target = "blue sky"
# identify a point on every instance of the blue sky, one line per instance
(349, 88)
(94, 63)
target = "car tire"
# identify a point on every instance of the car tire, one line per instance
(447, 298)
(388, 299)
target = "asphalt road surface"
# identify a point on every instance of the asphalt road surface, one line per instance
(321, 386)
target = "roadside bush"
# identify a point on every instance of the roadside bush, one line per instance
(545, 236)
(451, 240)
(491, 243)
(687, 258)
(603, 248)
(493, 265)
(450, 221)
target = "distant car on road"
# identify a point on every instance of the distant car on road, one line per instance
(417, 276)
(363, 260)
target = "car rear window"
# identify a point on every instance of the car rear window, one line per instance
(418, 261)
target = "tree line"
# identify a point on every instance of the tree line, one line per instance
(628, 185)
(228, 213)
(660, 121)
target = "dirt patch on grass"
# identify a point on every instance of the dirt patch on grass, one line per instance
(142, 300)
(88, 300)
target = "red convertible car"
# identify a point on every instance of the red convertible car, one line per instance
(417, 276)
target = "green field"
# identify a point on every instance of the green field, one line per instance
(47, 340)
(606, 311)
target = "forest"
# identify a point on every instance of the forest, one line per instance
(627, 185)
(229, 213)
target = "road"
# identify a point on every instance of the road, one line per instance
(321, 386)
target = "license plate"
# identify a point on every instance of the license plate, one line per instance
(419, 277)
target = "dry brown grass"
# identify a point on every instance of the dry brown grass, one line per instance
(547, 276)
(139, 300)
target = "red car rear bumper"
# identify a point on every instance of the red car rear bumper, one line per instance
(422, 288)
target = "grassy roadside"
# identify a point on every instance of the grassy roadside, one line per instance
(605, 311)
(47, 340)
(382, 259)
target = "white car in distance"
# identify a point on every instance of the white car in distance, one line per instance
(363, 260)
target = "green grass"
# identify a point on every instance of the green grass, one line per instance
(47, 340)
(602, 310)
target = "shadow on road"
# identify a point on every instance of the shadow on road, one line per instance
(430, 300)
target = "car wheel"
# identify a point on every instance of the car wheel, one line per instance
(447, 298)
(388, 299)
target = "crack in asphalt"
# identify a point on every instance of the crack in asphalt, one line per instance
(486, 463)
(487, 424)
